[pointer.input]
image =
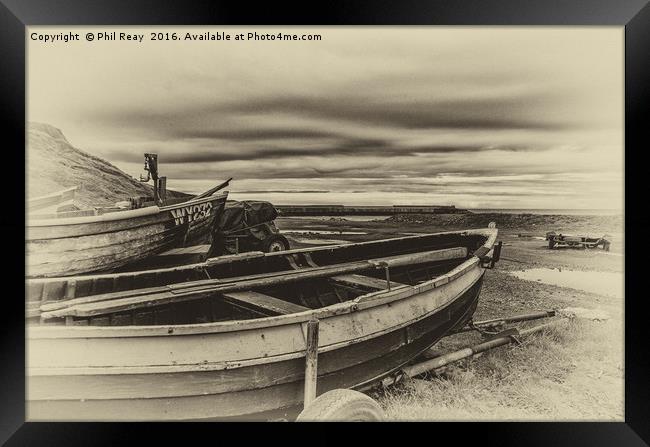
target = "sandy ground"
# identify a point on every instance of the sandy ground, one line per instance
(573, 372)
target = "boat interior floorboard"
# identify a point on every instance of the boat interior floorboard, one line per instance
(266, 303)
(364, 282)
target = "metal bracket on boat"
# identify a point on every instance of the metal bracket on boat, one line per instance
(292, 259)
(309, 260)
(489, 261)
(384, 264)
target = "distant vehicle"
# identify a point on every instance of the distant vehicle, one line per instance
(566, 240)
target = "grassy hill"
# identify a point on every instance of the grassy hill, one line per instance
(54, 164)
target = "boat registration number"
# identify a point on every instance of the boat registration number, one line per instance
(192, 213)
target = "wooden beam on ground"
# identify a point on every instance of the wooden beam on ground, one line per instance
(267, 304)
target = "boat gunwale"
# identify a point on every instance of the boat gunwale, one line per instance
(362, 302)
(120, 215)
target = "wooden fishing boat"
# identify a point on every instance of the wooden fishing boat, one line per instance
(232, 345)
(58, 245)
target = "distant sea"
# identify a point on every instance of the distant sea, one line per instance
(566, 212)
(569, 212)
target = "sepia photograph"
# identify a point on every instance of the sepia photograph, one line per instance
(324, 223)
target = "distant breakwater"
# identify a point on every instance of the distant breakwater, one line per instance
(344, 210)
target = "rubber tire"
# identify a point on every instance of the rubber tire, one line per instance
(342, 405)
(274, 239)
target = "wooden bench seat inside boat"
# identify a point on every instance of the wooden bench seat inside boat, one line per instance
(364, 282)
(264, 303)
(145, 298)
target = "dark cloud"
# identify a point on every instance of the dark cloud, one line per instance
(282, 191)
(344, 147)
(339, 168)
(462, 113)
(201, 120)
(250, 134)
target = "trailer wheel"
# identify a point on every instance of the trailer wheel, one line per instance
(342, 405)
(275, 242)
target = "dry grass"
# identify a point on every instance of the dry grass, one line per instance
(572, 372)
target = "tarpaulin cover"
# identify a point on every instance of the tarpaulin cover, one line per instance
(239, 215)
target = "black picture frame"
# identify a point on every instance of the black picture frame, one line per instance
(634, 15)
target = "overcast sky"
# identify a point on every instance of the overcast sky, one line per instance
(476, 117)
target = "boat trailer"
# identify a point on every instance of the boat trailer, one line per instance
(347, 405)
(494, 339)
(555, 239)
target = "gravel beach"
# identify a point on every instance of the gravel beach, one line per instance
(574, 372)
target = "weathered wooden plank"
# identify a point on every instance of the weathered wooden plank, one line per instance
(228, 259)
(53, 290)
(193, 250)
(121, 320)
(71, 289)
(84, 286)
(364, 282)
(33, 291)
(92, 245)
(75, 261)
(421, 257)
(272, 305)
(90, 225)
(143, 318)
(101, 321)
(183, 255)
